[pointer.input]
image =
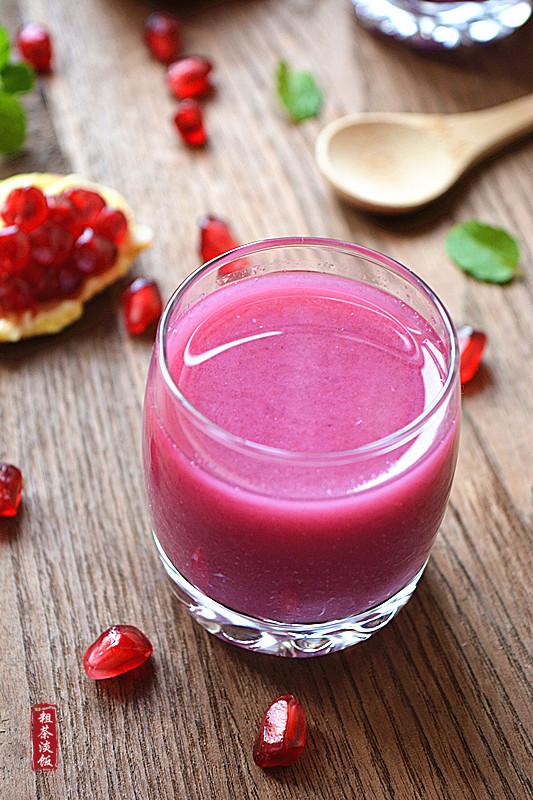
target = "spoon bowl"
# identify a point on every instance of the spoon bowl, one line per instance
(393, 163)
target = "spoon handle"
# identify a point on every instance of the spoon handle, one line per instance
(485, 131)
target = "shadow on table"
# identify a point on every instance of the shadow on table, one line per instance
(481, 382)
(10, 526)
(129, 687)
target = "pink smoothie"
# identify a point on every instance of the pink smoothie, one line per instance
(310, 364)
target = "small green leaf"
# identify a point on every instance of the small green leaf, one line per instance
(487, 253)
(17, 78)
(5, 47)
(12, 124)
(298, 93)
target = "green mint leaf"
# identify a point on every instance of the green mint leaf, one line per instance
(298, 93)
(12, 124)
(5, 47)
(487, 253)
(17, 78)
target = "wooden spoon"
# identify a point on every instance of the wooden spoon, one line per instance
(392, 163)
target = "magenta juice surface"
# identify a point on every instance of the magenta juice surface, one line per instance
(265, 486)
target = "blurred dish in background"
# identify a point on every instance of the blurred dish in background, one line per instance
(435, 25)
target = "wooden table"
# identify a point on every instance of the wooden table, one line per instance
(439, 704)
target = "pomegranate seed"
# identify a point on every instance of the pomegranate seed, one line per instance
(141, 305)
(111, 224)
(15, 294)
(92, 254)
(43, 281)
(86, 205)
(117, 650)
(69, 281)
(51, 244)
(25, 207)
(35, 46)
(471, 346)
(189, 121)
(61, 212)
(14, 249)
(215, 237)
(10, 489)
(281, 736)
(189, 77)
(162, 34)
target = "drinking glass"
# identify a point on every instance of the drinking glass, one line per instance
(299, 552)
(441, 25)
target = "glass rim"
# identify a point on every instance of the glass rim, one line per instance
(374, 448)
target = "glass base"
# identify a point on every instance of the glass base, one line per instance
(443, 25)
(280, 638)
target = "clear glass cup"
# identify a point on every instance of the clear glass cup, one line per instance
(441, 25)
(290, 552)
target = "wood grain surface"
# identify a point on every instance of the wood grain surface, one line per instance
(437, 706)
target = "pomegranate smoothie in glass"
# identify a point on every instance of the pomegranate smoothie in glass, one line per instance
(300, 436)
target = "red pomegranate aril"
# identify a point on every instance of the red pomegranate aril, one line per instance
(25, 207)
(111, 224)
(189, 121)
(141, 305)
(10, 489)
(51, 244)
(14, 249)
(189, 77)
(43, 282)
(281, 736)
(117, 650)
(86, 205)
(162, 34)
(15, 294)
(69, 281)
(35, 45)
(471, 346)
(92, 254)
(215, 237)
(61, 212)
